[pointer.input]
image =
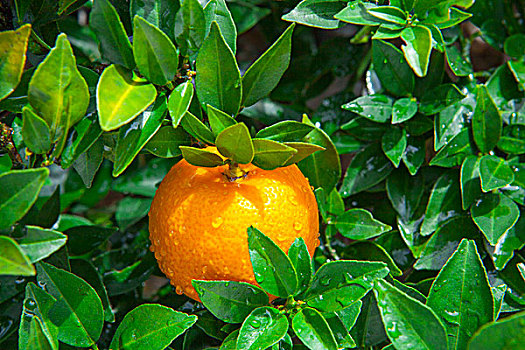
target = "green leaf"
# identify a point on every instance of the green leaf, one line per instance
(120, 98)
(368, 168)
(444, 202)
(161, 13)
(154, 52)
(421, 7)
(486, 121)
(313, 330)
(459, 66)
(165, 143)
(338, 284)
(264, 327)
(20, 190)
(323, 168)
(235, 143)
(190, 27)
(150, 326)
(498, 293)
(88, 163)
(131, 210)
(57, 90)
(219, 80)
(193, 126)
(405, 193)
(505, 334)
(35, 326)
(84, 134)
(511, 241)
(494, 214)
(360, 224)
(514, 45)
(403, 110)
(133, 136)
(272, 267)
(316, 13)
(285, 131)
(218, 120)
(392, 68)
(179, 102)
(389, 14)
(415, 153)
(84, 238)
(217, 10)
(38, 243)
(270, 154)
(264, 74)
(78, 310)
(110, 32)
(408, 323)
(455, 17)
(455, 151)
(463, 303)
(494, 173)
(302, 262)
(12, 58)
(418, 44)
(512, 140)
(357, 13)
(230, 301)
(470, 181)
(200, 157)
(303, 149)
(13, 261)
(377, 108)
(35, 132)
(451, 121)
(5, 163)
(518, 71)
(339, 330)
(369, 250)
(437, 99)
(394, 144)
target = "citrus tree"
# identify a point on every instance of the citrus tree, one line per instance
(344, 174)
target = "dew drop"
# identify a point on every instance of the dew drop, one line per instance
(217, 222)
(293, 200)
(325, 281)
(178, 290)
(297, 226)
(259, 277)
(255, 323)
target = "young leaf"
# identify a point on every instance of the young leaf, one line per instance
(38, 243)
(190, 26)
(114, 43)
(151, 326)
(302, 262)
(219, 80)
(494, 173)
(264, 327)
(392, 68)
(154, 52)
(193, 126)
(470, 181)
(486, 121)
(20, 190)
(13, 261)
(313, 330)
(272, 267)
(235, 143)
(408, 323)
(494, 214)
(507, 333)
(179, 102)
(217, 10)
(218, 120)
(463, 303)
(200, 157)
(35, 132)
(303, 150)
(377, 108)
(166, 141)
(418, 44)
(78, 309)
(12, 58)
(264, 74)
(270, 154)
(230, 301)
(394, 144)
(120, 98)
(359, 224)
(285, 131)
(403, 110)
(316, 13)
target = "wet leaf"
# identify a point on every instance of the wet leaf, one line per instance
(440, 97)
(392, 68)
(316, 13)
(285, 131)
(494, 173)
(511, 241)
(455, 151)
(313, 330)
(394, 143)
(470, 181)
(377, 108)
(166, 141)
(270, 154)
(405, 192)
(507, 333)
(360, 224)
(218, 120)
(302, 262)
(264, 327)
(235, 143)
(12, 58)
(403, 110)
(418, 44)
(414, 155)
(13, 260)
(179, 102)
(486, 121)
(217, 10)
(357, 13)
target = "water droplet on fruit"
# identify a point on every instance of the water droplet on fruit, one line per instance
(293, 200)
(217, 222)
(297, 226)
(255, 323)
(204, 269)
(178, 290)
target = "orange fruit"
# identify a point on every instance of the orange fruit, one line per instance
(199, 218)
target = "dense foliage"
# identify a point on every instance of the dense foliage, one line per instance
(407, 117)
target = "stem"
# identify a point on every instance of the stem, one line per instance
(40, 41)
(328, 245)
(234, 171)
(95, 347)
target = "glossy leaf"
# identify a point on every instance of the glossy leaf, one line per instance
(154, 52)
(518, 71)
(13, 260)
(193, 126)
(273, 269)
(35, 132)
(437, 99)
(84, 238)
(371, 251)
(403, 110)
(190, 27)
(20, 190)
(390, 14)
(316, 13)
(377, 108)
(219, 80)
(451, 121)
(357, 13)
(302, 262)
(264, 74)
(133, 136)
(218, 120)
(463, 303)
(303, 149)
(455, 151)
(161, 13)
(394, 143)
(12, 58)
(270, 154)
(405, 193)
(114, 43)
(166, 141)
(392, 68)
(120, 98)
(512, 140)
(264, 327)
(418, 44)
(511, 241)
(151, 325)
(38, 243)
(486, 121)
(507, 333)
(339, 330)
(200, 157)
(360, 224)
(84, 134)
(285, 131)
(217, 10)
(444, 202)
(179, 102)
(494, 173)
(470, 181)
(230, 301)
(235, 143)
(88, 163)
(407, 321)
(494, 214)
(414, 155)
(131, 210)
(313, 330)
(339, 284)
(78, 309)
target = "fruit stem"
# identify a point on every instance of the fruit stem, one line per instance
(234, 171)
